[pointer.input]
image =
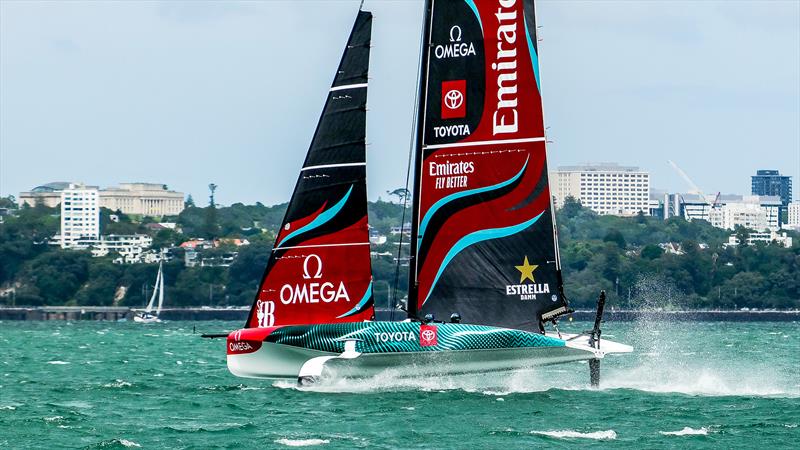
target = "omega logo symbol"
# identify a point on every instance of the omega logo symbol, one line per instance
(453, 99)
(307, 273)
(455, 34)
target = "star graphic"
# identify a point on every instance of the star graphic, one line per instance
(526, 270)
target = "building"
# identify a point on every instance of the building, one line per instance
(772, 183)
(47, 194)
(144, 199)
(605, 188)
(766, 237)
(130, 247)
(793, 210)
(80, 214)
(749, 211)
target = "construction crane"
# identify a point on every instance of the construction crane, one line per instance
(693, 189)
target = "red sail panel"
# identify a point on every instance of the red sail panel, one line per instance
(319, 270)
(485, 236)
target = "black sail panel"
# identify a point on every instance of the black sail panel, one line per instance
(319, 270)
(484, 243)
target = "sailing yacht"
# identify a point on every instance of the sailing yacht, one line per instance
(147, 316)
(484, 248)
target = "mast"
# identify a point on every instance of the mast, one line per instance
(413, 283)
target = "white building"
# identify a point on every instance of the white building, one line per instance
(605, 188)
(80, 214)
(793, 221)
(145, 199)
(130, 247)
(749, 211)
(765, 237)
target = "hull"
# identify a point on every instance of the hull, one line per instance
(146, 319)
(366, 349)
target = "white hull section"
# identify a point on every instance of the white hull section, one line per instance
(278, 361)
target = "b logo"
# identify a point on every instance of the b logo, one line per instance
(454, 99)
(318, 273)
(265, 312)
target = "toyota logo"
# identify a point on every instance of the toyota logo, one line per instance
(453, 99)
(428, 335)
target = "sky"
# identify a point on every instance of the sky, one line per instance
(189, 93)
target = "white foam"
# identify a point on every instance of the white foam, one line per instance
(8, 408)
(117, 384)
(606, 435)
(58, 363)
(686, 431)
(128, 443)
(301, 442)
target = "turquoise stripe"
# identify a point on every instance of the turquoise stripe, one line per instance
(361, 303)
(474, 8)
(534, 57)
(455, 196)
(474, 238)
(321, 219)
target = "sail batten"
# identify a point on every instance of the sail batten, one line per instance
(319, 269)
(483, 231)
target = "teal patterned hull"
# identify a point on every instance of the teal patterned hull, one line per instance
(366, 349)
(395, 337)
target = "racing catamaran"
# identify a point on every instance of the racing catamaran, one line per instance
(484, 247)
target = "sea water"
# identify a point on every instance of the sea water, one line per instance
(120, 385)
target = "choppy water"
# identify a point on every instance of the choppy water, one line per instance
(116, 385)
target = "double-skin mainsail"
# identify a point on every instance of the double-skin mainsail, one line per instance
(319, 270)
(484, 243)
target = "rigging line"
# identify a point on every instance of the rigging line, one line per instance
(411, 140)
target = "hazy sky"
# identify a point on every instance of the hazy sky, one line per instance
(189, 93)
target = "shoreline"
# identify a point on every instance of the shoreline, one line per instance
(112, 313)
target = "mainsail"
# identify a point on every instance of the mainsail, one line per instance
(484, 235)
(158, 290)
(319, 270)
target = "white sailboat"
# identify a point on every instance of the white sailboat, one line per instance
(147, 316)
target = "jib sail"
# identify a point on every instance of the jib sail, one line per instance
(484, 229)
(319, 270)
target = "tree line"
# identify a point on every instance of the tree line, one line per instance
(618, 254)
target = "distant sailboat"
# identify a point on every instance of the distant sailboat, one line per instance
(147, 315)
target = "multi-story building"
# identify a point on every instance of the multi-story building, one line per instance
(605, 188)
(767, 237)
(80, 214)
(793, 215)
(772, 183)
(47, 194)
(145, 199)
(760, 213)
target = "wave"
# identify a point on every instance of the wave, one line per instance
(687, 431)
(118, 384)
(606, 435)
(58, 363)
(301, 442)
